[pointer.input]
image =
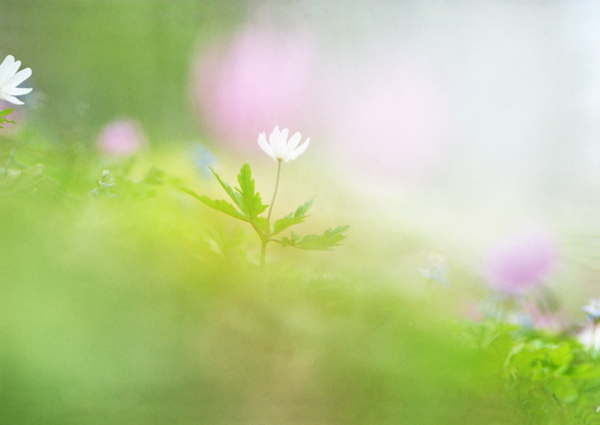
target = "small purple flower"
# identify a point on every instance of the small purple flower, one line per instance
(121, 139)
(521, 261)
(592, 311)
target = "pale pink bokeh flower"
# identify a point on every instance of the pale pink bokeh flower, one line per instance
(122, 138)
(262, 79)
(386, 115)
(520, 261)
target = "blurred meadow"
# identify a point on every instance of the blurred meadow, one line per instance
(458, 140)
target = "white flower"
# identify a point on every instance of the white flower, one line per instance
(10, 79)
(279, 148)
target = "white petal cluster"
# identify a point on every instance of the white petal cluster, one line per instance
(10, 79)
(279, 148)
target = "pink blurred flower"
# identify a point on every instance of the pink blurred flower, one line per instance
(543, 318)
(521, 261)
(121, 138)
(386, 115)
(261, 80)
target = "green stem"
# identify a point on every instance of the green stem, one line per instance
(263, 250)
(263, 253)
(274, 195)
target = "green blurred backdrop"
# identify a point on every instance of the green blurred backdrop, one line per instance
(97, 60)
(150, 309)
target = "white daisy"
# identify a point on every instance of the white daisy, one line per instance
(10, 79)
(278, 146)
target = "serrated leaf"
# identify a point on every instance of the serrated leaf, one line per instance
(261, 223)
(219, 205)
(235, 197)
(250, 202)
(292, 218)
(323, 242)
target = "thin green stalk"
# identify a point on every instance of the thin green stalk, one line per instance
(273, 201)
(263, 250)
(263, 253)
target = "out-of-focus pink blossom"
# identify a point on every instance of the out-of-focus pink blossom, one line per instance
(543, 318)
(521, 261)
(259, 81)
(388, 120)
(121, 138)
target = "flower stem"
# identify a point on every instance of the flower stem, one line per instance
(263, 250)
(274, 194)
(263, 253)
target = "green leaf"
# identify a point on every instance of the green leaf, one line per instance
(4, 112)
(292, 218)
(251, 203)
(219, 205)
(235, 197)
(3, 120)
(261, 223)
(323, 242)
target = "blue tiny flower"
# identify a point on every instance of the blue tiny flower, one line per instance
(435, 270)
(203, 159)
(592, 310)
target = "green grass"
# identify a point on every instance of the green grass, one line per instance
(151, 308)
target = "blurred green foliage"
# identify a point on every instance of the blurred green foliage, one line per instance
(94, 61)
(147, 307)
(125, 301)
(551, 379)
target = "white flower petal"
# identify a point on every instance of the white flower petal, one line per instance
(278, 146)
(282, 142)
(15, 67)
(10, 98)
(262, 142)
(10, 74)
(274, 135)
(277, 140)
(18, 78)
(16, 91)
(291, 145)
(5, 67)
(298, 151)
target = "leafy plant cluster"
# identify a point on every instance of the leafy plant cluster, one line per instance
(552, 379)
(248, 206)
